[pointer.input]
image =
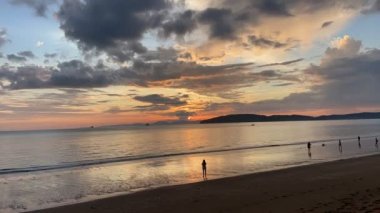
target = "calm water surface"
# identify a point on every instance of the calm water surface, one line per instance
(43, 169)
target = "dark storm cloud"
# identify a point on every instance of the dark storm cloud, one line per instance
(116, 27)
(227, 21)
(223, 83)
(180, 24)
(269, 73)
(282, 63)
(22, 56)
(217, 80)
(102, 24)
(16, 58)
(216, 84)
(283, 84)
(71, 74)
(265, 42)
(272, 7)
(157, 99)
(24, 77)
(77, 74)
(171, 74)
(96, 23)
(125, 51)
(114, 95)
(26, 54)
(159, 55)
(160, 102)
(186, 55)
(146, 73)
(39, 6)
(326, 24)
(221, 22)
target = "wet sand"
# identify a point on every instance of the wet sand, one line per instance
(342, 186)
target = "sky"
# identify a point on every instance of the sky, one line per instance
(80, 63)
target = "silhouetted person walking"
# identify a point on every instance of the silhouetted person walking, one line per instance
(359, 144)
(377, 143)
(340, 146)
(204, 169)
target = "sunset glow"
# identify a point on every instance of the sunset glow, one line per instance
(74, 63)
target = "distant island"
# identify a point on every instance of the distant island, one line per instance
(239, 118)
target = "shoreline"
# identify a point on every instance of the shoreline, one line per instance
(294, 189)
(106, 161)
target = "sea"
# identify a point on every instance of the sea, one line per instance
(42, 169)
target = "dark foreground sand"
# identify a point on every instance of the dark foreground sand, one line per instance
(342, 186)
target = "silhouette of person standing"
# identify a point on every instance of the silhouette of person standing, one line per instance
(340, 146)
(377, 143)
(309, 149)
(359, 144)
(204, 169)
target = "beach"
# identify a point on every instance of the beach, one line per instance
(48, 169)
(350, 185)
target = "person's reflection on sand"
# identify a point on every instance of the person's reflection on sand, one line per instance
(204, 169)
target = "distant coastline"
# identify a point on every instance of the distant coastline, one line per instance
(240, 118)
(233, 118)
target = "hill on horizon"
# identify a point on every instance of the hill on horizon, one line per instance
(240, 118)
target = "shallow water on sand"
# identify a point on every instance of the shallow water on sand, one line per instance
(43, 169)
